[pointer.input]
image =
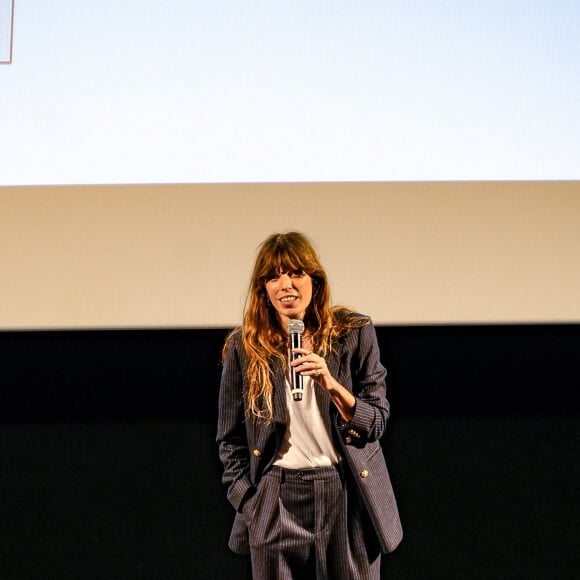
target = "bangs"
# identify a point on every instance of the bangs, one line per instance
(285, 262)
(287, 253)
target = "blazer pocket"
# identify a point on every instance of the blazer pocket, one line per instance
(252, 504)
(370, 450)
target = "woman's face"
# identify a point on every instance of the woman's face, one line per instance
(290, 293)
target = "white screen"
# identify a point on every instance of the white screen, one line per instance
(178, 91)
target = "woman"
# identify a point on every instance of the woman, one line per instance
(307, 478)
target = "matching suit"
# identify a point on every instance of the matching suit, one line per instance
(248, 446)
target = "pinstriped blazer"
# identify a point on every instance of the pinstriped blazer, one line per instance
(247, 446)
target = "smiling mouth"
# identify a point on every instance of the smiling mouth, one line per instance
(288, 299)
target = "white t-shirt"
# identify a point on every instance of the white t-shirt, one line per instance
(307, 442)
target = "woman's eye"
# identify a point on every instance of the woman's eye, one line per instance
(297, 274)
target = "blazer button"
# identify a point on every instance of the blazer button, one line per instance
(257, 453)
(364, 473)
(348, 439)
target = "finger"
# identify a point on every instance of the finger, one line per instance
(301, 361)
(302, 351)
(313, 368)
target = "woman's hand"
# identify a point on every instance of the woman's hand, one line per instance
(312, 365)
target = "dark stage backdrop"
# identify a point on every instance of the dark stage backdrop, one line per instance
(109, 467)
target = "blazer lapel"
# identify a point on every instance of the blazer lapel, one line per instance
(278, 378)
(322, 397)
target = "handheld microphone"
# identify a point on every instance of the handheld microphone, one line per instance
(295, 330)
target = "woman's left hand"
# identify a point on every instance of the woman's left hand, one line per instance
(311, 365)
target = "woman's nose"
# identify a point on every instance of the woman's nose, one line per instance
(285, 281)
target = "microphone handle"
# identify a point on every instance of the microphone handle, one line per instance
(296, 377)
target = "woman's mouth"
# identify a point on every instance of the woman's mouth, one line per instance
(288, 299)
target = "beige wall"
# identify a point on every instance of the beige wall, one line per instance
(180, 255)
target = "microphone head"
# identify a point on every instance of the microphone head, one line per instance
(295, 326)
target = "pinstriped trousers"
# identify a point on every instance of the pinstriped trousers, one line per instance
(302, 526)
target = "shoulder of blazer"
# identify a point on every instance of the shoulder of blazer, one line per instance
(234, 343)
(234, 338)
(359, 325)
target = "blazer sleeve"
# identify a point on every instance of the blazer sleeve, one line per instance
(368, 378)
(231, 433)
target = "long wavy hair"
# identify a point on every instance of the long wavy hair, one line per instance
(262, 334)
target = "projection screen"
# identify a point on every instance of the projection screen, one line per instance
(430, 150)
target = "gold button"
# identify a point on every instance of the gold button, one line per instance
(348, 439)
(257, 453)
(364, 473)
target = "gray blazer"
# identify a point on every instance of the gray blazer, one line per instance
(247, 447)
